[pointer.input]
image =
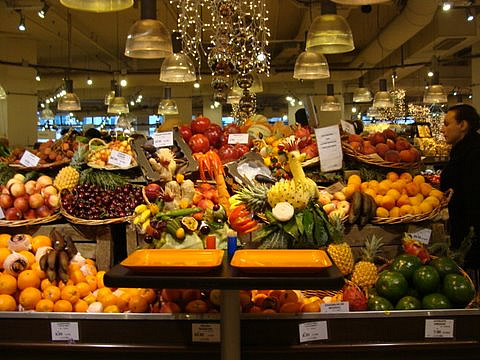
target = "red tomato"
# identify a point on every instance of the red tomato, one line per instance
(199, 143)
(304, 137)
(214, 133)
(228, 153)
(241, 149)
(200, 124)
(186, 132)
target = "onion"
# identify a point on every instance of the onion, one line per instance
(17, 189)
(95, 307)
(49, 190)
(5, 191)
(283, 211)
(30, 214)
(41, 251)
(19, 177)
(36, 201)
(21, 203)
(13, 214)
(11, 182)
(30, 187)
(45, 180)
(43, 211)
(6, 201)
(15, 263)
(20, 242)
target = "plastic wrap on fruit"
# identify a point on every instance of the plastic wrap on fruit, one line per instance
(19, 242)
(413, 247)
(78, 259)
(15, 263)
(188, 191)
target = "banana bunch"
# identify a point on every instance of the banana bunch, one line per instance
(143, 215)
(55, 260)
(363, 208)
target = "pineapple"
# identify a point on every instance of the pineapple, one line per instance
(68, 177)
(365, 272)
(339, 250)
(254, 197)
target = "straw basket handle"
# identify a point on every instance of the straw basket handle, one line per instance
(96, 140)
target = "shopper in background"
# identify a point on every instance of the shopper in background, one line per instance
(462, 174)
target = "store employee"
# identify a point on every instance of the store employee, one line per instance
(462, 174)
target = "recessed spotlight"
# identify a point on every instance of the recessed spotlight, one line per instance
(123, 83)
(37, 77)
(430, 73)
(447, 5)
(196, 85)
(89, 81)
(354, 109)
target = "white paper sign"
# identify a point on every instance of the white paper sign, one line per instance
(312, 331)
(347, 127)
(29, 160)
(336, 307)
(47, 134)
(2, 215)
(64, 331)
(329, 148)
(205, 332)
(119, 159)
(439, 328)
(422, 236)
(238, 138)
(163, 139)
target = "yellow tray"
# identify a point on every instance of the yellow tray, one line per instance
(284, 261)
(172, 260)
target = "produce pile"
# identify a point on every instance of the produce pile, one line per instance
(99, 155)
(49, 152)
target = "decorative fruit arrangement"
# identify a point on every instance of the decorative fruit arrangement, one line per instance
(387, 145)
(68, 283)
(49, 152)
(100, 155)
(29, 199)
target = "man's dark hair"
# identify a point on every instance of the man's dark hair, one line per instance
(469, 114)
(93, 133)
(301, 117)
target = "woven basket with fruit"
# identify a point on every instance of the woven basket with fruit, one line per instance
(384, 149)
(100, 152)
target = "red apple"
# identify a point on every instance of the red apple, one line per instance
(13, 214)
(153, 191)
(21, 203)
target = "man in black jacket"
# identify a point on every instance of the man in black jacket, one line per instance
(462, 174)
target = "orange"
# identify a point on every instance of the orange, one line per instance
(388, 202)
(8, 284)
(108, 299)
(4, 240)
(28, 278)
(80, 306)
(30, 257)
(406, 176)
(405, 210)
(90, 262)
(46, 283)
(403, 200)
(89, 269)
(437, 193)
(394, 194)
(433, 200)
(7, 303)
(419, 179)
(77, 276)
(416, 210)
(394, 212)
(137, 304)
(4, 252)
(83, 289)
(399, 185)
(378, 200)
(348, 191)
(89, 299)
(62, 284)
(426, 207)
(39, 241)
(412, 189)
(384, 186)
(102, 292)
(364, 186)
(40, 273)
(91, 281)
(370, 192)
(420, 197)
(414, 201)
(392, 176)
(52, 293)
(70, 293)
(123, 300)
(72, 267)
(62, 306)
(44, 305)
(373, 184)
(29, 298)
(99, 276)
(354, 179)
(382, 212)
(425, 189)
(111, 309)
(148, 294)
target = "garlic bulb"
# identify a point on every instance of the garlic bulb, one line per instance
(19, 242)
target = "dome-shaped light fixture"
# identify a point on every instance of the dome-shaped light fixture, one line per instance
(382, 99)
(3, 94)
(118, 105)
(177, 67)
(310, 66)
(435, 94)
(329, 33)
(361, 94)
(234, 97)
(330, 102)
(110, 94)
(98, 6)
(167, 106)
(47, 113)
(69, 101)
(360, 2)
(148, 38)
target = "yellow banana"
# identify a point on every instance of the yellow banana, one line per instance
(140, 209)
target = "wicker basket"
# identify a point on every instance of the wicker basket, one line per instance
(415, 218)
(313, 161)
(133, 162)
(376, 160)
(320, 293)
(30, 222)
(40, 167)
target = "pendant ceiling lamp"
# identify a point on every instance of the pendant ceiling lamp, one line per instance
(178, 67)
(330, 102)
(256, 88)
(361, 94)
(311, 66)
(329, 33)
(148, 38)
(118, 105)
(360, 2)
(167, 106)
(110, 94)
(47, 113)
(382, 99)
(435, 94)
(98, 6)
(3, 94)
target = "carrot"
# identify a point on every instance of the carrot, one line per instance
(223, 194)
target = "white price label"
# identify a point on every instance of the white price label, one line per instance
(163, 139)
(329, 148)
(422, 236)
(29, 160)
(2, 215)
(119, 159)
(347, 127)
(238, 138)
(312, 331)
(336, 307)
(64, 331)
(205, 332)
(439, 328)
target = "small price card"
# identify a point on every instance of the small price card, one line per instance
(422, 235)
(238, 138)
(64, 331)
(205, 332)
(347, 127)
(29, 160)
(163, 139)
(119, 159)
(336, 307)
(312, 331)
(439, 328)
